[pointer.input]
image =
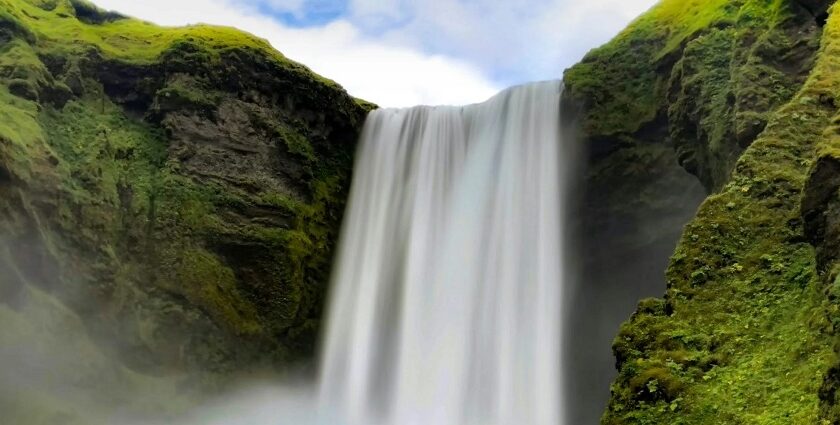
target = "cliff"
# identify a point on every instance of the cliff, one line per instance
(174, 193)
(170, 198)
(744, 94)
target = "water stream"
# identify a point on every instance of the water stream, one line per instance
(446, 302)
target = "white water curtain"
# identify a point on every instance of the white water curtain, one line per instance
(446, 299)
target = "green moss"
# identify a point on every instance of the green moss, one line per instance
(281, 201)
(11, 27)
(710, 72)
(125, 38)
(22, 135)
(90, 166)
(104, 147)
(744, 306)
(296, 143)
(183, 93)
(208, 283)
(701, 107)
(657, 381)
(619, 82)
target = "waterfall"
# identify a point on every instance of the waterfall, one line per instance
(446, 299)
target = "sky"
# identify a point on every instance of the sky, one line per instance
(399, 53)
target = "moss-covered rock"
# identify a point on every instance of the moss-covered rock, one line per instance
(636, 200)
(179, 189)
(744, 91)
(714, 69)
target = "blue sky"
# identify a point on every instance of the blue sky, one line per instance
(406, 52)
(307, 13)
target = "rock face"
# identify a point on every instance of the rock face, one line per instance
(635, 201)
(177, 190)
(741, 94)
(709, 76)
(169, 200)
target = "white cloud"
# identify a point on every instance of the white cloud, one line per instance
(405, 52)
(388, 75)
(377, 15)
(286, 5)
(512, 40)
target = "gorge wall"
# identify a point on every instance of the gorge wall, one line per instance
(169, 201)
(742, 94)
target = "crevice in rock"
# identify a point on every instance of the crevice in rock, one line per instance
(822, 19)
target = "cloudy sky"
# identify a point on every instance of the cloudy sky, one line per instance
(408, 52)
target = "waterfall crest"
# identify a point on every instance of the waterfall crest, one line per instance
(446, 298)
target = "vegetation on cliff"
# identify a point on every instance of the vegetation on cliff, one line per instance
(175, 193)
(714, 70)
(744, 333)
(180, 189)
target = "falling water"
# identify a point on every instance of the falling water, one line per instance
(446, 301)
